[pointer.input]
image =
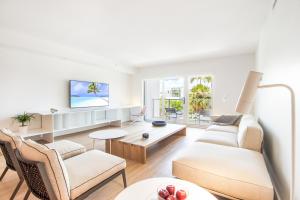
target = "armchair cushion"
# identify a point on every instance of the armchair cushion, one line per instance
(66, 148)
(90, 168)
(54, 166)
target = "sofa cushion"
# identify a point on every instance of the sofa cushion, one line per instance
(8, 136)
(90, 168)
(250, 135)
(230, 129)
(234, 172)
(218, 137)
(66, 148)
(54, 166)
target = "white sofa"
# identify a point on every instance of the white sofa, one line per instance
(248, 134)
(228, 161)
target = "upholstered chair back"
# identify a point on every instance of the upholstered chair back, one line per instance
(7, 135)
(46, 163)
(8, 143)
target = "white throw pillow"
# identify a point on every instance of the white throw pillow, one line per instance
(54, 165)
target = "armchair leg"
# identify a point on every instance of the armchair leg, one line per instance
(124, 178)
(3, 173)
(16, 189)
(27, 194)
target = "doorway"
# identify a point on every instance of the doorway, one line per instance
(186, 100)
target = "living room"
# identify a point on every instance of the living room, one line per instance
(149, 99)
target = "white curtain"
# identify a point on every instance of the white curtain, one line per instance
(152, 90)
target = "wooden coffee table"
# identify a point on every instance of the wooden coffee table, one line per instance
(147, 189)
(134, 147)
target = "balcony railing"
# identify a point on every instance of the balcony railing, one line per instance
(173, 110)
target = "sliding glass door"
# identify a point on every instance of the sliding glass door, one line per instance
(178, 99)
(172, 99)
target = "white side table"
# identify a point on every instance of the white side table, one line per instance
(147, 189)
(107, 135)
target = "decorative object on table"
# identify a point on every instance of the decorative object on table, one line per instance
(24, 120)
(159, 123)
(145, 135)
(170, 193)
(149, 188)
(53, 110)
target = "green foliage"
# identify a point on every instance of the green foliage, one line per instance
(200, 88)
(177, 104)
(174, 103)
(200, 95)
(24, 118)
(207, 79)
(199, 101)
(92, 88)
(201, 79)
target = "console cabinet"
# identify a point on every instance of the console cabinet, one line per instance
(47, 125)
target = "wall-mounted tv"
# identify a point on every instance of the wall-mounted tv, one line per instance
(88, 94)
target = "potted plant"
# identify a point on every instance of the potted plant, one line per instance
(24, 120)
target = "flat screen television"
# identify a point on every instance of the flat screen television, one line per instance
(88, 94)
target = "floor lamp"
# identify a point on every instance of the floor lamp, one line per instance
(246, 101)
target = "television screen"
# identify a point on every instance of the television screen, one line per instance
(88, 94)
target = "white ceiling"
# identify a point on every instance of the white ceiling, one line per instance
(142, 32)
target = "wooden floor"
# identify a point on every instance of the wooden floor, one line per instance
(159, 164)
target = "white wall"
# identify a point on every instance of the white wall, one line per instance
(34, 77)
(229, 75)
(278, 57)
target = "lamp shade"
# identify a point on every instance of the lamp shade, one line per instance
(247, 96)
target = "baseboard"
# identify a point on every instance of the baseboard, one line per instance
(273, 177)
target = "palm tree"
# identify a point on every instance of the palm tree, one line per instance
(200, 88)
(198, 78)
(200, 95)
(207, 79)
(93, 88)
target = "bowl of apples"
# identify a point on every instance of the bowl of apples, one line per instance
(170, 193)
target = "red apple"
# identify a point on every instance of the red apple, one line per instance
(171, 189)
(181, 195)
(163, 193)
(171, 197)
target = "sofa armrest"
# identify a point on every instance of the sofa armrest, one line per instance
(251, 136)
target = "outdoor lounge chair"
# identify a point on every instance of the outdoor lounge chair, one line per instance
(172, 112)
